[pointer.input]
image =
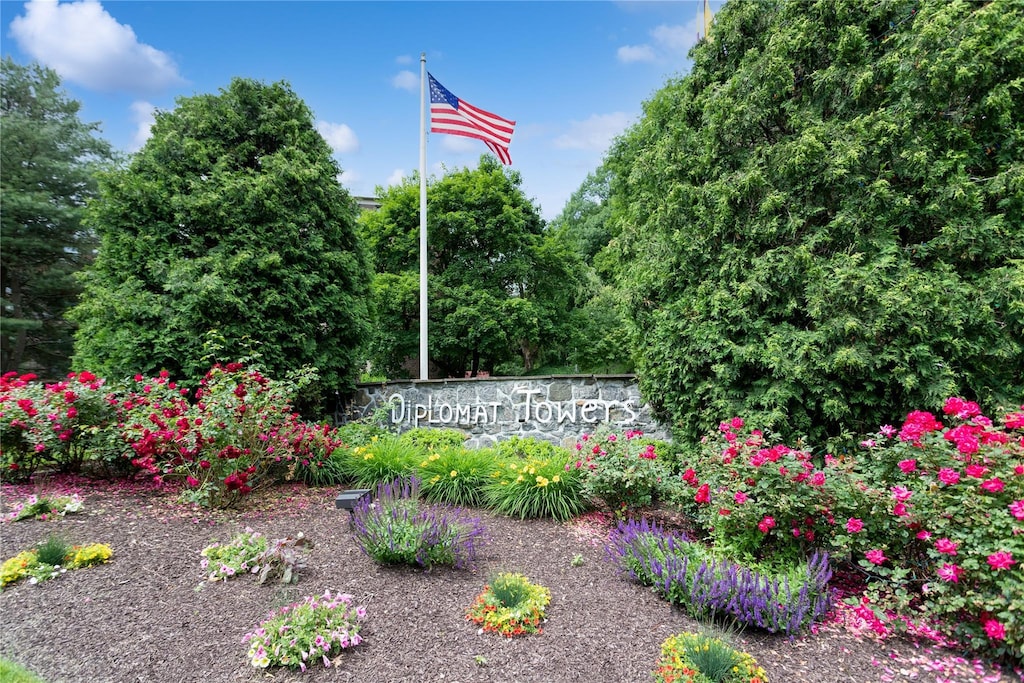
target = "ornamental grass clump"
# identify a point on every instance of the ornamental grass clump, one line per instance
(510, 605)
(311, 631)
(397, 528)
(706, 585)
(384, 459)
(530, 479)
(699, 658)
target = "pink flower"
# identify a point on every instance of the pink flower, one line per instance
(949, 476)
(740, 497)
(1001, 560)
(1017, 509)
(907, 466)
(994, 629)
(946, 546)
(924, 535)
(817, 479)
(901, 493)
(192, 481)
(950, 572)
(766, 525)
(960, 408)
(875, 556)
(993, 485)
(888, 431)
(854, 525)
(900, 510)
(976, 471)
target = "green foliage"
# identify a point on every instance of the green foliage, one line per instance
(827, 228)
(429, 439)
(15, 673)
(454, 475)
(499, 286)
(252, 553)
(52, 551)
(229, 221)
(48, 158)
(534, 479)
(714, 659)
(383, 460)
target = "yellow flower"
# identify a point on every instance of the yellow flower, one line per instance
(454, 472)
(437, 478)
(532, 471)
(434, 456)
(368, 456)
(519, 478)
(556, 479)
(541, 481)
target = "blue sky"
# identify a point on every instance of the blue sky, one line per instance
(573, 75)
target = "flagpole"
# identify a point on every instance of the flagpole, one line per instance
(424, 365)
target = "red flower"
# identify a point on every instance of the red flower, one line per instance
(703, 494)
(766, 525)
(994, 629)
(907, 466)
(875, 556)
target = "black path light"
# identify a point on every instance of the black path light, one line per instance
(347, 500)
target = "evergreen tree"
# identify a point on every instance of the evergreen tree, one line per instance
(47, 164)
(828, 228)
(228, 224)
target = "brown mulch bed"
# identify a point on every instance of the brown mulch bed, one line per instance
(148, 615)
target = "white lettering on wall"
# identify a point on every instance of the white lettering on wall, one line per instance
(528, 409)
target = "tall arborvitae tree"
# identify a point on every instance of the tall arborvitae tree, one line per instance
(822, 225)
(229, 224)
(48, 158)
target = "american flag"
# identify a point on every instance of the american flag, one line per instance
(449, 114)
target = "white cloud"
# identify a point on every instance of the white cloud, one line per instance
(349, 178)
(143, 116)
(340, 137)
(406, 80)
(594, 134)
(668, 43)
(85, 45)
(462, 145)
(395, 178)
(628, 54)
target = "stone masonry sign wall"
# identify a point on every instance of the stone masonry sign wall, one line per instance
(557, 409)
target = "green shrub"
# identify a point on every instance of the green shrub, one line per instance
(545, 485)
(510, 605)
(429, 439)
(455, 475)
(11, 672)
(383, 460)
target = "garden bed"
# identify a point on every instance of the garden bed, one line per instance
(144, 617)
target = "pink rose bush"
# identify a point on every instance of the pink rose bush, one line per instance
(959, 537)
(932, 511)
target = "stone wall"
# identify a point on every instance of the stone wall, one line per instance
(557, 409)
